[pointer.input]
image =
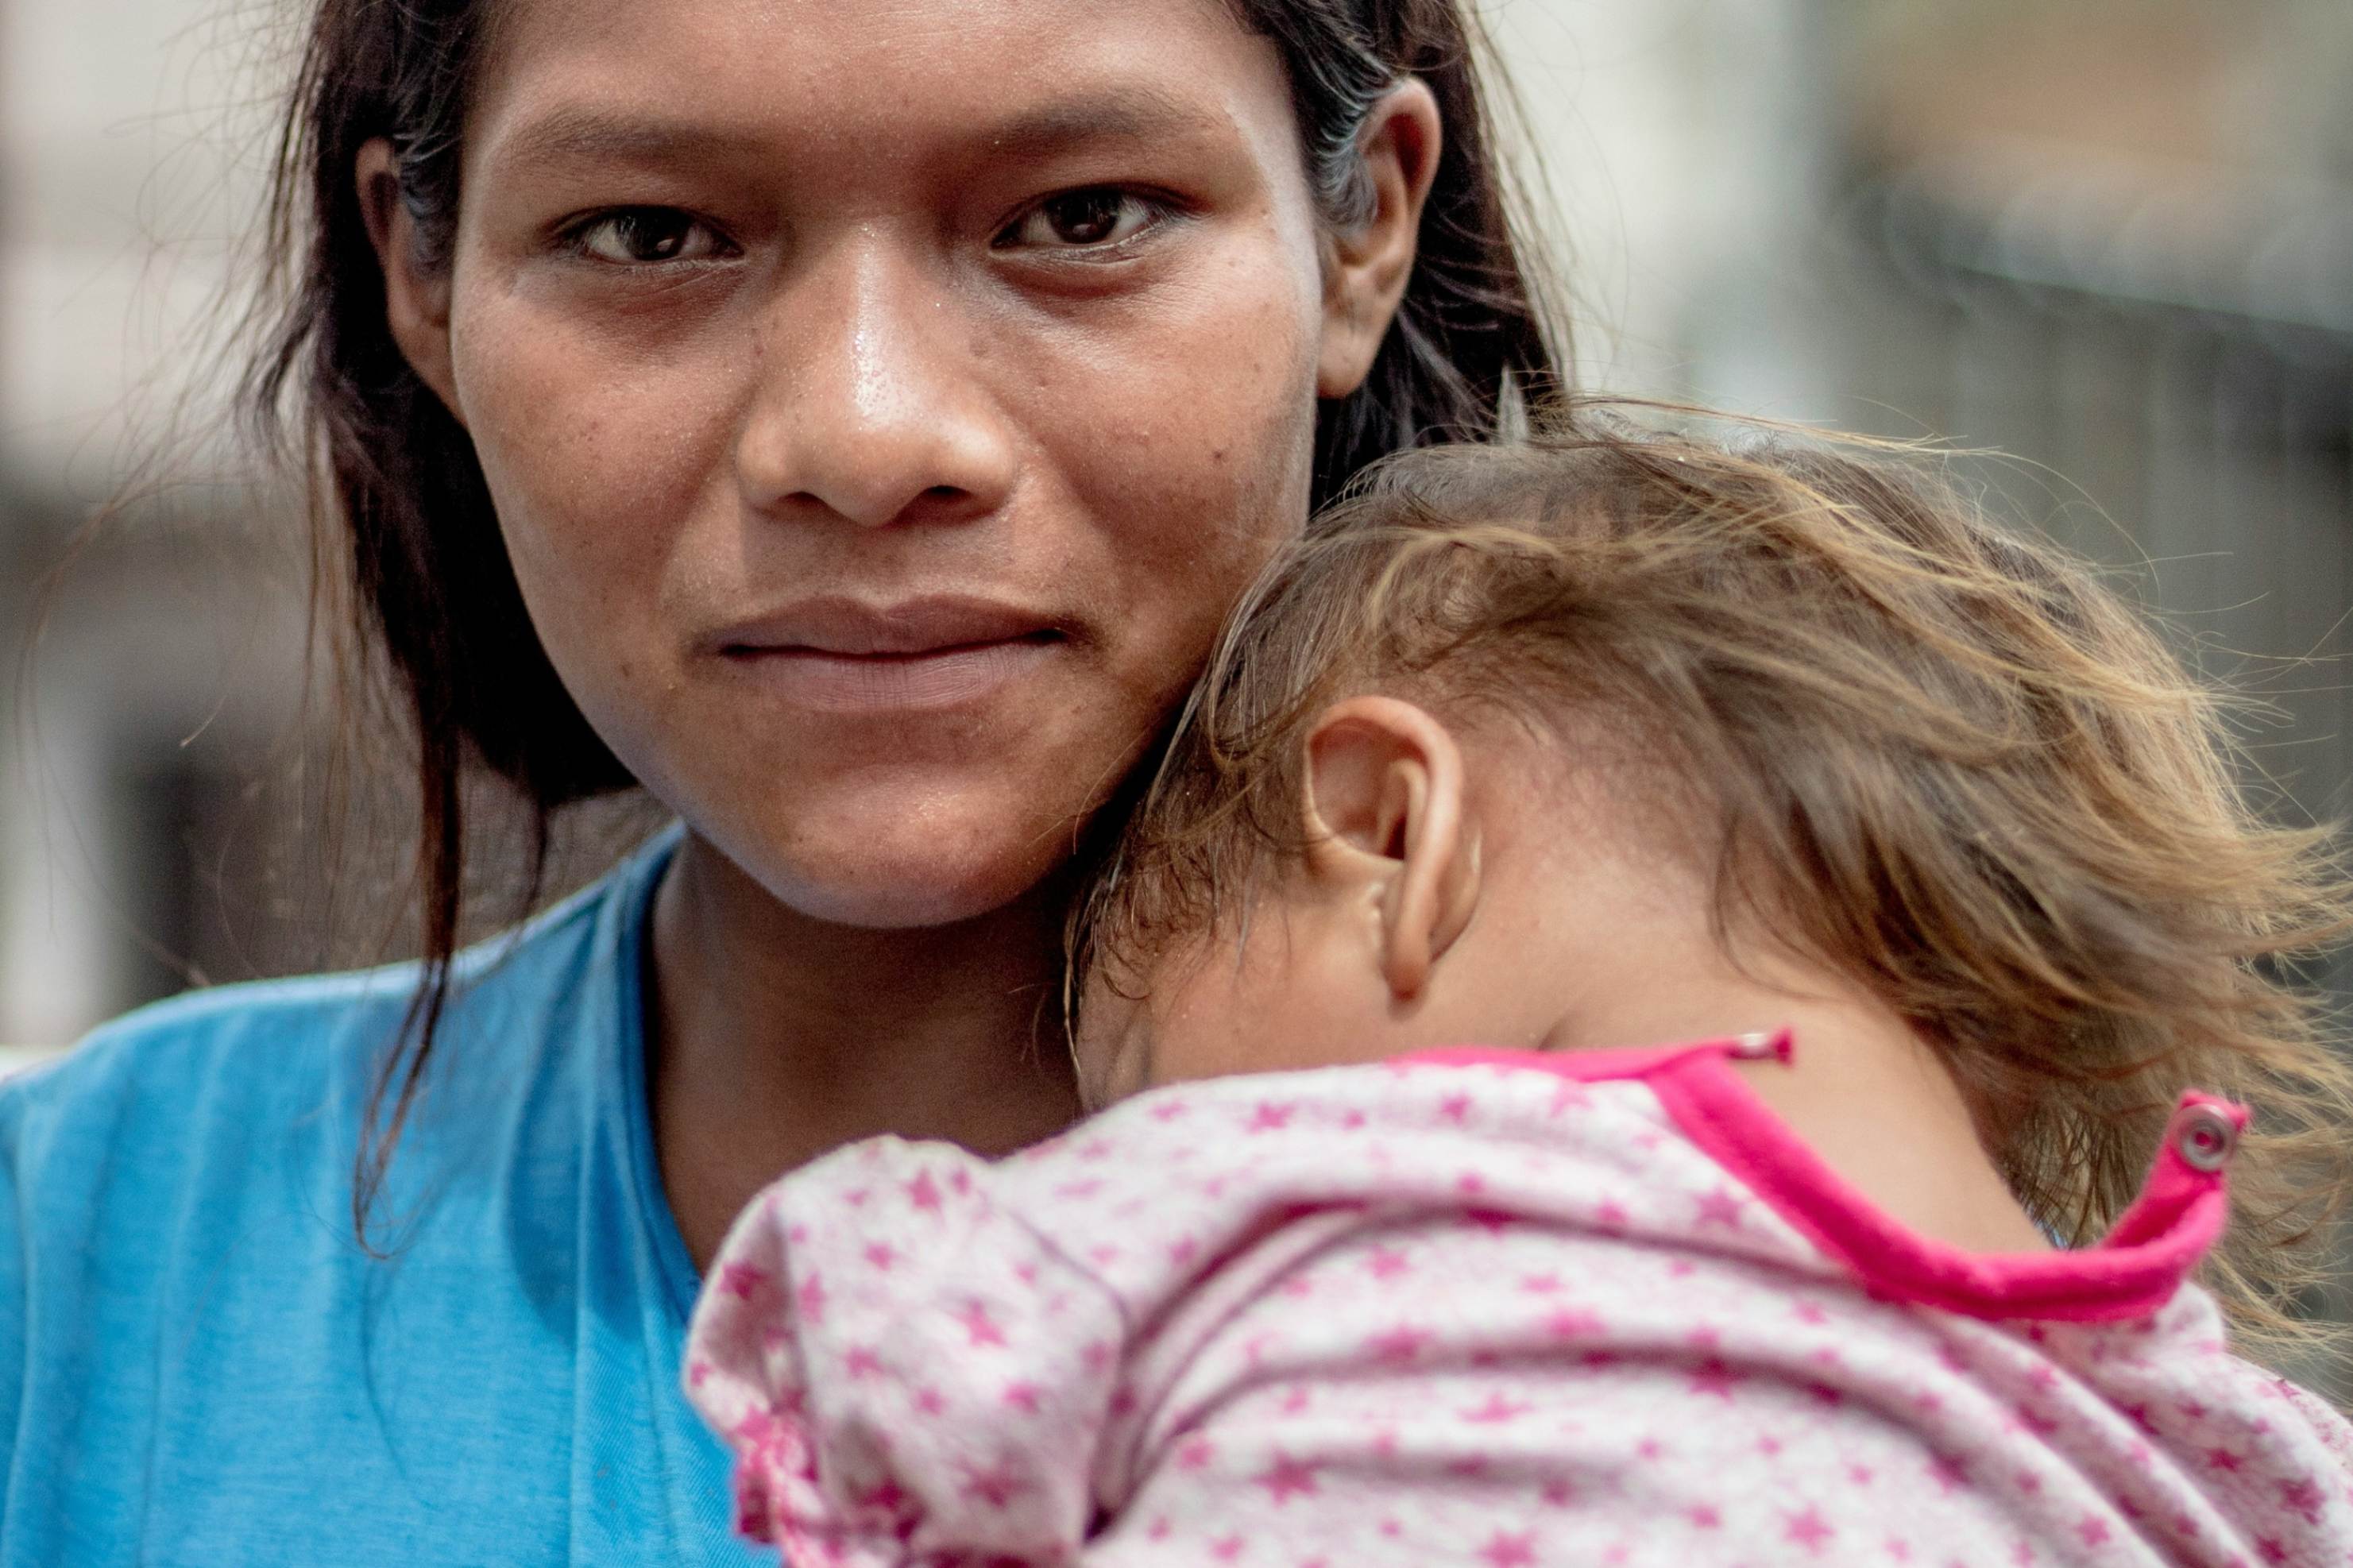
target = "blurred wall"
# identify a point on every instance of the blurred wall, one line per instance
(2114, 237)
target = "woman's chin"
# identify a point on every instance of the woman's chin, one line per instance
(898, 878)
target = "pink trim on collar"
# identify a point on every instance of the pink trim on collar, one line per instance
(2153, 1247)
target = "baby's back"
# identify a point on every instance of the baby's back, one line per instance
(1595, 1309)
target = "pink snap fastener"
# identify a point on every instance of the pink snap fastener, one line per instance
(2204, 1136)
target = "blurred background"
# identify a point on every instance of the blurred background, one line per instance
(2112, 238)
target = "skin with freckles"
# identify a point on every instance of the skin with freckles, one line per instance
(1473, 885)
(881, 405)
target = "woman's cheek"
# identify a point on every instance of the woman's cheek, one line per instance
(595, 474)
(1198, 462)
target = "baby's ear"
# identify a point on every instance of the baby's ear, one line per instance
(1385, 823)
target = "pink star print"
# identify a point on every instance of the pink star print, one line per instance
(1721, 1206)
(1569, 1097)
(1270, 1117)
(881, 1256)
(863, 1363)
(1229, 1549)
(812, 1298)
(925, 1192)
(1386, 1263)
(996, 1487)
(1508, 1551)
(1286, 1479)
(976, 1321)
(1713, 1377)
(888, 1497)
(1496, 1411)
(741, 1279)
(2092, 1530)
(1399, 1344)
(1021, 1396)
(1808, 1530)
(1574, 1324)
(1455, 1107)
(2302, 1495)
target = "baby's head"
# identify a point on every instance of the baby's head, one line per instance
(1525, 745)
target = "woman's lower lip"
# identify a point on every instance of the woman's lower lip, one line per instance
(851, 683)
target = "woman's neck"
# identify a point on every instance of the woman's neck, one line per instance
(776, 1037)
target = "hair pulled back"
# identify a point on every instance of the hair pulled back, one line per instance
(396, 493)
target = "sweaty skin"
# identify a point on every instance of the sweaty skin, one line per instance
(882, 403)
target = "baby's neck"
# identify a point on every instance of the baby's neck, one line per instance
(1862, 1089)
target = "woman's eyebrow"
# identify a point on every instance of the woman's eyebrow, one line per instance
(585, 133)
(1139, 112)
(578, 133)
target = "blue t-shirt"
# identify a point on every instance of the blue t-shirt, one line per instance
(198, 1363)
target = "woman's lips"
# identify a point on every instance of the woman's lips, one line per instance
(951, 677)
(836, 654)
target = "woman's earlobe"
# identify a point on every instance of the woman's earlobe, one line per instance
(416, 301)
(1372, 259)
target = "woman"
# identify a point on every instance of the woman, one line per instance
(849, 422)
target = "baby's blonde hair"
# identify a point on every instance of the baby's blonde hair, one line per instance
(1934, 755)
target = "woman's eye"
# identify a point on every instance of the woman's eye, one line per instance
(640, 236)
(1076, 219)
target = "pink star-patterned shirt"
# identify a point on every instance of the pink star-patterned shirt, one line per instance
(1489, 1309)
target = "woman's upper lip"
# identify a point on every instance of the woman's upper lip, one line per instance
(857, 628)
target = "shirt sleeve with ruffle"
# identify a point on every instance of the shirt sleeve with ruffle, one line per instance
(906, 1370)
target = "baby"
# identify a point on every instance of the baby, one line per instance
(1637, 949)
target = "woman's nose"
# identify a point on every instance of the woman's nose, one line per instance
(868, 405)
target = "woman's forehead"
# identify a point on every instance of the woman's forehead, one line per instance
(900, 81)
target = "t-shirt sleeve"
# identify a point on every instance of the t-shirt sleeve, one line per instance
(14, 1241)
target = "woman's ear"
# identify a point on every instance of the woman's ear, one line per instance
(1386, 825)
(416, 301)
(1371, 260)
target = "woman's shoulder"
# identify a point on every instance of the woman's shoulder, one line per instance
(170, 1052)
(268, 1050)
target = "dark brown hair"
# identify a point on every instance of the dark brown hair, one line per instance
(1934, 755)
(399, 500)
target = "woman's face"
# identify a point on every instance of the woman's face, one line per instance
(883, 402)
